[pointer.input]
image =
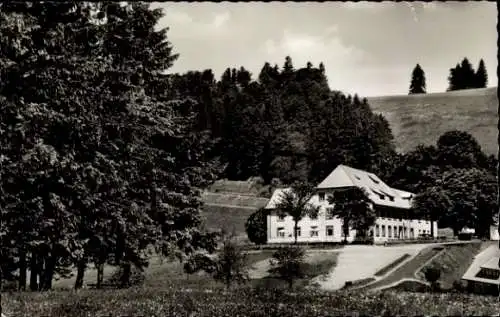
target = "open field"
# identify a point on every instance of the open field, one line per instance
(171, 301)
(423, 118)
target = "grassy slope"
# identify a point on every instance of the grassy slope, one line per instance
(454, 262)
(423, 118)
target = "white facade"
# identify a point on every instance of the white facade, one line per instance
(391, 205)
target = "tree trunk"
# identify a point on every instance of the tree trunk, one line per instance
(80, 274)
(125, 278)
(22, 270)
(296, 225)
(34, 271)
(48, 273)
(100, 274)
(432, 228)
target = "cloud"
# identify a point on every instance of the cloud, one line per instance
(339, 59)
(185, 26)
(304, 47)
(177, 17)
(221, 19)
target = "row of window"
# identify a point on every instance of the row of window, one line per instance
(396, 231)
(314, 232)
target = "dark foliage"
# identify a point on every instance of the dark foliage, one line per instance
(417, 85)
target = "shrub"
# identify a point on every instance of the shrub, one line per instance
(230, 265)
(137, 277)
(432, 275)
(256, 227)
(288, 264)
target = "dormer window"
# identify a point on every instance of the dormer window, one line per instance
(374, 180)
(321, 196)
(357, 177)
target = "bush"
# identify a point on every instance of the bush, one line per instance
(460, 286)
(432, 275)
(256, 227)
(137, 277)
(288, 264)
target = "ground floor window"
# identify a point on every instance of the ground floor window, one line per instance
(489, 274)
(281, 232)
(412, 234)
(377, 231)
(314, 231)
(383, 230)
(329, 231)
(395, 233)
(389, 231)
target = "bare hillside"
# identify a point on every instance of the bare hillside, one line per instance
(423, 118)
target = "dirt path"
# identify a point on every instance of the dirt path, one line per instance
(359, 262)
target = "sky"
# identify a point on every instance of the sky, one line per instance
(368, 48)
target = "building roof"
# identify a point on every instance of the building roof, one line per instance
(491, 264)
(276, 197)
(345, 176)
(488, 258)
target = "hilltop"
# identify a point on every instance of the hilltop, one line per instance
(416, 119)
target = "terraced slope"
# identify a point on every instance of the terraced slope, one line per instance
(423, 118)
(230, 210)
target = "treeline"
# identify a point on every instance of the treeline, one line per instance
(463, 76)
(285, 124)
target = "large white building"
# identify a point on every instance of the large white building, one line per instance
(391, 205)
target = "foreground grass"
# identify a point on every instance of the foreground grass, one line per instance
(149, 301)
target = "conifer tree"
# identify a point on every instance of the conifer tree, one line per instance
(417, 85)
(467, 73)
(481, 76)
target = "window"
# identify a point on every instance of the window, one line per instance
(281, 232)
(281, 218)
(314, 216)
(383, 230)
(329, 213)
(374, 180)
(412, 234)
(489, 274)
(389, 231)
(329, 231)
(298, 231)
(377, 230)
(391, 198)
(314, 231)
(321, 196)
(395, 233)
